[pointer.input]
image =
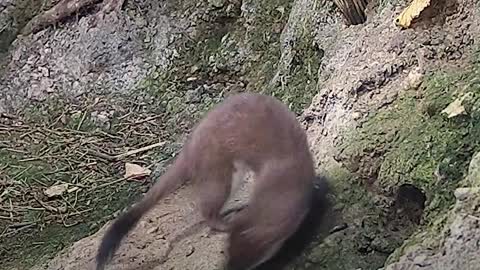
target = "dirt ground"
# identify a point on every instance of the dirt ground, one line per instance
(172, 236)
(146, 246)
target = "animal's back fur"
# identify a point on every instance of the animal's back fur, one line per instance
(253, 129)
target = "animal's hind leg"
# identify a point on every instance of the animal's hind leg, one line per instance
(213, 191)
(249, 245)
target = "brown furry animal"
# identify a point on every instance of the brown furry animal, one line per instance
(246, 132)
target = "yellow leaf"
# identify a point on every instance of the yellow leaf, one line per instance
(411, 12)
(456, 107)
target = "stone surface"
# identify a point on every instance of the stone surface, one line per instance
(458, 248)
(363, 69)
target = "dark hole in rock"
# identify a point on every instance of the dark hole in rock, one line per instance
(410, 202)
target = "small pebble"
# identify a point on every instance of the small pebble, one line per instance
(338, 228)
(190, 251)
(356, 115)
(462, 193)
(421, 260)
(152, 230)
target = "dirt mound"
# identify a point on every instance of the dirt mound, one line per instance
(146, 246)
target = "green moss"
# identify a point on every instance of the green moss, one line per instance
(24, 11)
(414, 142)
(406, 143)
(429, 237)
(214, 56)
(432, 236)
(298, 81)
(210, 58)
(30, 246)
(365, 243)
(51, 147)
(44, 232)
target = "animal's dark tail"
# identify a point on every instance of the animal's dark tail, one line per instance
(174, 176)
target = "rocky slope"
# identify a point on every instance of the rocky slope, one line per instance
(371, 97)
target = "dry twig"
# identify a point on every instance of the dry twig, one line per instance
(126, 154)
(60, 11)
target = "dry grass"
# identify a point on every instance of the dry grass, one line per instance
(52, 147)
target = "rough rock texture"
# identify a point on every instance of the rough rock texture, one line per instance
(459, 245)
(7, 24)
(362, 75)
(113, 57)
(363, 68)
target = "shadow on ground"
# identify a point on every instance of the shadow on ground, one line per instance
(315, 227)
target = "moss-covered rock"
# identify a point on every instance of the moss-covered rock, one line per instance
(237, 50)
(416, 142)
(452, 237)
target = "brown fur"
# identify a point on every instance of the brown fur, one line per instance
(246, 131)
